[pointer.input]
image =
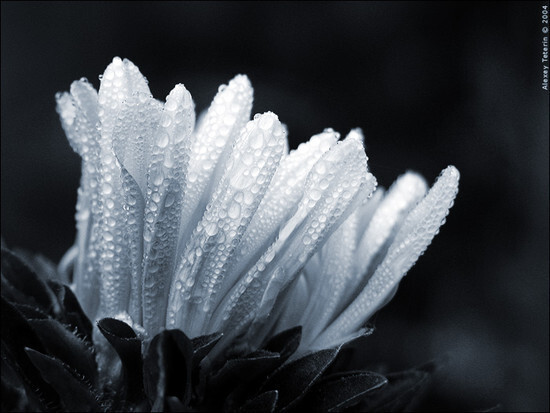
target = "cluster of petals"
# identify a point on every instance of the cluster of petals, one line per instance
(217, 227)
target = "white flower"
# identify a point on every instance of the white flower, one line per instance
(218, 228)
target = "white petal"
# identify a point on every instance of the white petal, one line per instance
(122, 208)
(216, 134)
(331, 195)
(280, 201)
(120, 80)
(250, 169)
(414, 236)
(403, 195)
(79, 117)
(133, 134)
(78, 112)
(166, 179)
(330, 282)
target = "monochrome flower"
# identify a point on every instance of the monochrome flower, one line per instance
(218, 228)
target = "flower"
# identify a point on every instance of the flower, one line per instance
(217, 228)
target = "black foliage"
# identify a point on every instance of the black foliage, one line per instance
(49, 364)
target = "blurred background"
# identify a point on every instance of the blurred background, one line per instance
(430, 84)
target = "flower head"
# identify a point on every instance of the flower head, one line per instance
(217, 228)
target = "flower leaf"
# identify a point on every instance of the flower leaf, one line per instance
(202, 345)
(19, 393)
(285, 343)
(167, 369)
(402, 392)
(62, 344)
(74, 393)
(237, 376)
(128, 347)
(23, 279)
(294, 379)
(340, 391)
(265, 402)
(73, 315)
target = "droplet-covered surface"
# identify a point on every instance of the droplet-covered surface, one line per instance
(250, 168)
(414, 236)
(210, 147)
(166, 183)
(331, 188)
(79, 118)
(218, 228)
(280, 201)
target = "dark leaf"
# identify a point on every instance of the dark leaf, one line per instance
(340, 391)
(75, 394)
(242, 375)
(64, 345)
(128, 347)
(17, 368)
(13, 321)
(202, 346)
(294, 379)
(167, 368)
(248, 368)
(73, 314)
(22, 278)
(13, 295)
(265, 402)
(402, 392)
(30, 312)
(285, 343)
(344, 360)
(38, 263)
(17, 394)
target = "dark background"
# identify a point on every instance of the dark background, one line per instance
(431, 84)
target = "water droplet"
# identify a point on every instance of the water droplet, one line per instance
(211, 229)
(234, 210)
(106, 189)
(266, 122)
(170, 198)
(256, 139)
(163, 140)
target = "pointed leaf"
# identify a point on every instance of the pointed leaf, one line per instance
(239, 375)
(64, 345)
(294, 379)
(30, 312)
(265, 402)
(340, 391)
(72, 314)
(22, 394)
(167, 368)
(203, 344)
(403, 390)
(285, 343)
(74, 393)
(21, 277)
(128, 347)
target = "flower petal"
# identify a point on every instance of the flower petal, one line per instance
(166, 179)
(403, 195)
(79, 117)
(414, 236)
(216, 134)
(330, 281)
(119, 81)
(279, 202)
(331, 194)
(134, 131)
(248, 173)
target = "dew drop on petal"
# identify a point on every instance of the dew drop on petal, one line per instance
(170, 198)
